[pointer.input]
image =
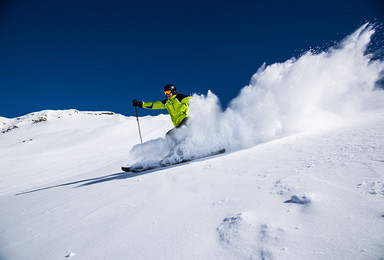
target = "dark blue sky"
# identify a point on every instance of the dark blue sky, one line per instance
(96, 55)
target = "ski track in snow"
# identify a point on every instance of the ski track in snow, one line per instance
(248, 240)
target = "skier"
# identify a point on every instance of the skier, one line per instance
(176, 104)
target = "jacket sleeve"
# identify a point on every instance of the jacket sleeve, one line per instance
(155, 105)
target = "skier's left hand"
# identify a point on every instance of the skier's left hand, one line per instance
(136, 103)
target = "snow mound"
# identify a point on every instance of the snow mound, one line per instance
(70, 254)
(299, 199)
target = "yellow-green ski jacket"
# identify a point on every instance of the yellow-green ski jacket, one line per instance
(177, 107)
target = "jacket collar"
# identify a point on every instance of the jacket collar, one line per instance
(173, 97)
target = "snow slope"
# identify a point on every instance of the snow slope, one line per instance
(305, 180)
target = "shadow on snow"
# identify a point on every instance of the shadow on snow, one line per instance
(106, 178)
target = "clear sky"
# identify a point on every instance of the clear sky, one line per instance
(98, 55)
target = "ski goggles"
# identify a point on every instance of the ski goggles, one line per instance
(167, 92)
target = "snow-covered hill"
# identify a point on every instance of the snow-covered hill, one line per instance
(303, 176)
(317, 195)
(51, 145)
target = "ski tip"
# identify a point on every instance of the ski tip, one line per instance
(126, 169)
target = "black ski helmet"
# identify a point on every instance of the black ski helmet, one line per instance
(170, 87)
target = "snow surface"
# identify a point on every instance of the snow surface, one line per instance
(303, 177)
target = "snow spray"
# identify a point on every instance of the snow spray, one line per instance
(312, 92)
(315, 91)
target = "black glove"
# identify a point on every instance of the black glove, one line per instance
(136, 103)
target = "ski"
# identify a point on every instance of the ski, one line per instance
(163, 165)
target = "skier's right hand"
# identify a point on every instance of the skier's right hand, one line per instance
(136, 103)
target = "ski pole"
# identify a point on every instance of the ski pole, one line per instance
(138, 125)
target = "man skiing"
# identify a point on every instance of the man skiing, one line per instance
(176, 104)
